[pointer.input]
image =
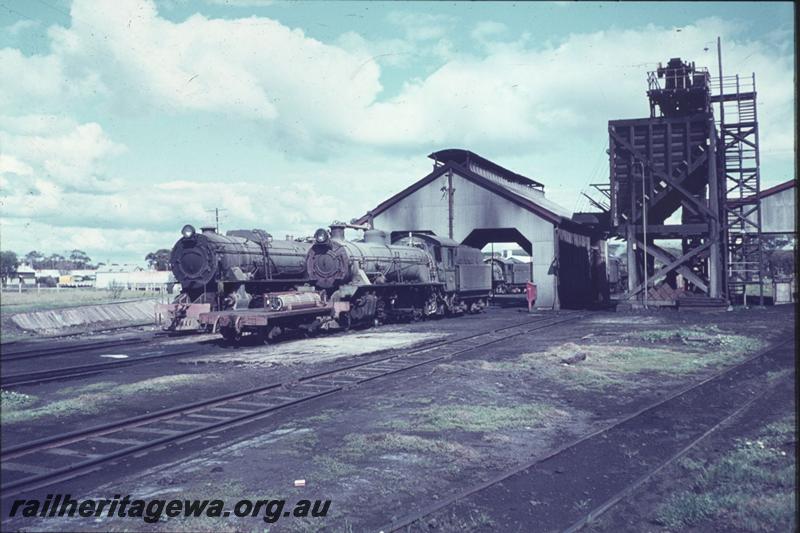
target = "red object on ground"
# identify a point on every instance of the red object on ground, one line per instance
(530, 294)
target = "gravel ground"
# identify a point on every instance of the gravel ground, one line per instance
(395, 444)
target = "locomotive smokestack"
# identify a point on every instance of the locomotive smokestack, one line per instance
(337, 232)
(188, 231)
(321, 236)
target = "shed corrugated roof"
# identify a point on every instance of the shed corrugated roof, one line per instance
(525, 197)
(465, 157)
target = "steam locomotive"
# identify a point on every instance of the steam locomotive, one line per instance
(228, 272)
(508, 276)
(366, 282)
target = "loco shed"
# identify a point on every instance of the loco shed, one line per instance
(475, 201)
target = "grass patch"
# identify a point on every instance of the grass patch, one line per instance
(480, 418)
(331, 468)
(620, 365)
(81, 389)
(358, 445)
(472, 520)
(15, 400)
(95, 402)
(323, 416)
(651, 354)
(698, 336)
(14, 302)
(749, 488)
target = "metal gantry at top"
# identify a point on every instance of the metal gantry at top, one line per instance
(684, 158)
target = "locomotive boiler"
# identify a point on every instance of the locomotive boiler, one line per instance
(228, 271)
(333, 261)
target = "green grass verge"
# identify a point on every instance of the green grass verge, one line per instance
(90, 399)
(13, 302)
(635, 356)
(480, 418)
(358, 445)
(749, 488)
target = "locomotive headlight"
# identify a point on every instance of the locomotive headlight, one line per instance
(188, 231)
(321, 236)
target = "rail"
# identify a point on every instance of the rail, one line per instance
(186, 422)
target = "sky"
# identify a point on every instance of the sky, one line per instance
(122, 121)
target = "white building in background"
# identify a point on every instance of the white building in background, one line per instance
(42, 273)
(133, 277)
(517, 254)
(25, 276)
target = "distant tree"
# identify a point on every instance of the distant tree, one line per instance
(55, 261)
(775, 242)
(8, 264)
(79, 259)
(34, 258)
(159, 259)
(779, 263)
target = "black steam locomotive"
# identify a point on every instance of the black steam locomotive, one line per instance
(228, 272)
(418, 275)
(508, 276)
(367, 282)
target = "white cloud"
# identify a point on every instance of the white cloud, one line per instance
(102, 245)
(251, 68)
(168, 204)
(12, 165)
(241, 3)
(315, 98)
(516, 96)
(420, 26)
(21, 26)
(488, 29)
(533, 107)
(59, 150)
(392, 52)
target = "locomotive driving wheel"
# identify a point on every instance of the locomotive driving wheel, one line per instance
(230, 334)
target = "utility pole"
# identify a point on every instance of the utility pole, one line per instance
(216, 211)
(450, 192)
(644, 230)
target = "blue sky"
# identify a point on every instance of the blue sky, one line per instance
(121, 121)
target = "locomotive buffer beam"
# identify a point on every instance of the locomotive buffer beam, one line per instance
(258, 317)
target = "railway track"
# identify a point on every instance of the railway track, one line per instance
(76, 371)
(34, 353)
(79, 451)
(579, 453)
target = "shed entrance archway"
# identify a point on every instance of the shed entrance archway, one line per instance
(478, 238)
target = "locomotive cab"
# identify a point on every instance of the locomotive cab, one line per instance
(461, 268)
